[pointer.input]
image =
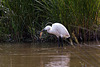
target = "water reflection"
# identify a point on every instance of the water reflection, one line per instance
(47, 55)
(59, 61)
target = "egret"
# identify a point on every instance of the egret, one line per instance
(57, 29)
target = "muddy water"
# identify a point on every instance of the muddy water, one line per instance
(49, 55)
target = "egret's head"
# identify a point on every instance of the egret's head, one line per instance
(47, 28)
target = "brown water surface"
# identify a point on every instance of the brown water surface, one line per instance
(49, 55)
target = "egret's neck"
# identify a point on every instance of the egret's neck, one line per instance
(50, 31)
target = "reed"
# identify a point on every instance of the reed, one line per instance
(23, 19)
(78, 16)
(21, 15)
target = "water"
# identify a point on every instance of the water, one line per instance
(49, 55)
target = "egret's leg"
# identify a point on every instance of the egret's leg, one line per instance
(62, 42)
(61, 39)
(58, 41)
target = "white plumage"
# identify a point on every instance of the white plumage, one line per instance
(58, 30)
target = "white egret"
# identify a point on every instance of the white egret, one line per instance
(57, 29)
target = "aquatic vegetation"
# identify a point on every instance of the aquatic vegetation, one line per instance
(23, 20)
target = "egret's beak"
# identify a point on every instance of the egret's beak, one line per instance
(41, 33)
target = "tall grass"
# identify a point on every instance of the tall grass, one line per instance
(23, 19)
(20, 15)
(78, 16)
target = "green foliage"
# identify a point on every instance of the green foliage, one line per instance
(78, 16)
(22, 17)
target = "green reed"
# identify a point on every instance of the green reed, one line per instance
(20, 14)
(21, 18)
(78, 16)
